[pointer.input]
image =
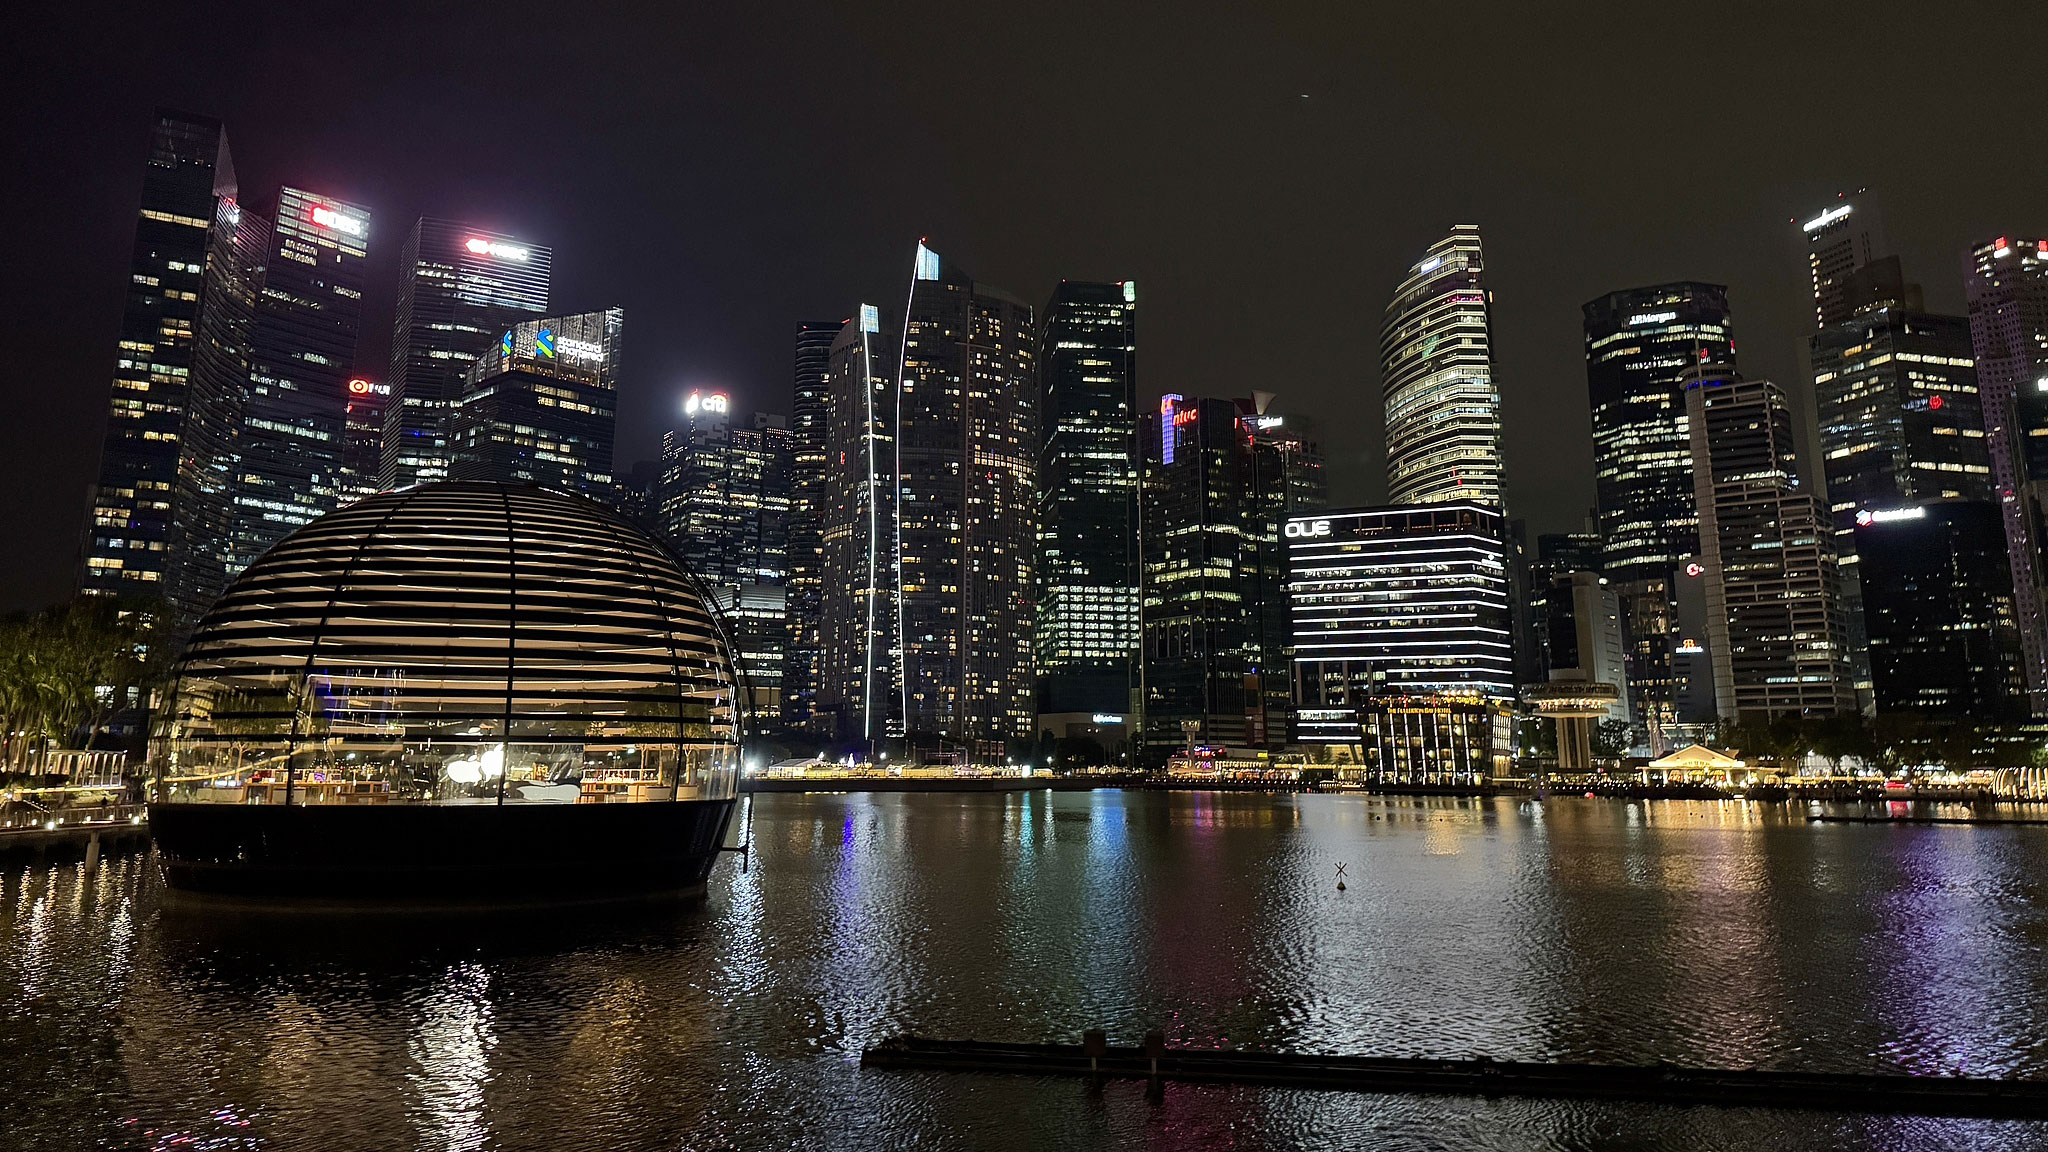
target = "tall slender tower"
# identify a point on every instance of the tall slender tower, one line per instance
(810, 423)
(1436, 361)
(858, 694)
(464, 286)
(128, 523)
(2007, 283)
(1640, 343)
(1087, 627)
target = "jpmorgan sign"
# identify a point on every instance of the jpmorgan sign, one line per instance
(1307, 529)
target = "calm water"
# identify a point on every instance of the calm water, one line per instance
(1716, 933)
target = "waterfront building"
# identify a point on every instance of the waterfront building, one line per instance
(1938, 606)
(362, 439)
(1213, 616)
(1640, 344)
(128, 521)
(2006, 281)
(1086, 631)
(1436, 361)
(1402, 651)
(1774, 620)
(261, 451)
(1584, 637)
(810, 420)
(463, 287)
(1840, 239)
(724, 506)
(541, 406)
(858, 694)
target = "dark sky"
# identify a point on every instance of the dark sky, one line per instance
(1266, 172)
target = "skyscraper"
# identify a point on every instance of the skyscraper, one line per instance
(1214, 610)
(1774, 620)
(2007, 283)
(1937, 602)
(810, 421)
(1640, 343)
(1401, 637)
(1436, 360)
(1840, 239)
(362, 441)
(541, 407)
(266, 415)
(128, 529)
(463, 287)
(859, 690)
(1087, 625)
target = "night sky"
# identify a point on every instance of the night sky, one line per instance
(1265, 172)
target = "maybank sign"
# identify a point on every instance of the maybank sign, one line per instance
(1307, 529)
(1826, 218)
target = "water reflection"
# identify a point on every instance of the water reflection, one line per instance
(1576, 928)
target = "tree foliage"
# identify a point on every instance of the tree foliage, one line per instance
(66, 671)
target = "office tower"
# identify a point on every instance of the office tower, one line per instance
(966, 458)
(858, 690)
(724, 506)
(1557, 554)
(1305, 486)
(639, 488)
(266, 416)
(362, 439)
(1402, 651)
(463, 287)
(1640, 342)
(1583, 635)
(128, 522)
(1839, 240)
(1086, 635)
(1436, 360)
(1938, 605)
(1214, 611)
(1773, 621)
(2007, 284)
(810, 420)
(541, 407)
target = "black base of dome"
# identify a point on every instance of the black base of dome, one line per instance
(435, 857)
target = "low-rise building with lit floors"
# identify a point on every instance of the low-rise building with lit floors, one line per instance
(1403, 665)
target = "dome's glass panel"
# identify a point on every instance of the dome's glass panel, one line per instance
(455, 643)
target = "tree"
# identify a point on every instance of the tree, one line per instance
(65, 672)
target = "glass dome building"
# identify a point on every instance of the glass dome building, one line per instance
(447, 692)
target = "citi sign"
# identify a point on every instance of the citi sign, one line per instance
(1307, 529)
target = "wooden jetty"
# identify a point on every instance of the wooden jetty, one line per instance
(1660, 1083)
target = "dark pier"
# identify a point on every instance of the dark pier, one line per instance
(1667, 1084)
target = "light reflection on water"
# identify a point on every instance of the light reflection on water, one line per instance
(1575, 929)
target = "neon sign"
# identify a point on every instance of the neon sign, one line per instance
(1168, 421)
(1826, 218)
(361, 387)
(329, 218)
(1652, 317)
(714, 403)
(1695, 569)
(544, 343)
(483, 247)
(583, 350)
(1868, 516)
(1308, 529)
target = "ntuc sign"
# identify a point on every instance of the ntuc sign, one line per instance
(1307, 529)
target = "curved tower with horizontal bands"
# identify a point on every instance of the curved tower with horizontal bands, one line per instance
(1436, 372)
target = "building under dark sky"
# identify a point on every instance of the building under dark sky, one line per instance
(541, 407)
(677, 163)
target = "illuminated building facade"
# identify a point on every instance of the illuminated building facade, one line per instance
(128, 528)
(1087, 627)
(1774, 618)
(2006, 281)
(724, 506)
(1436, 360)
(810, 421)
(362, 439)
(1938, 607)
(261, 453)
(541, 407)
(1840, 239)
(1214, 608)
(1401, 638)
(859, 693)
(464, 286)
(1640, 343)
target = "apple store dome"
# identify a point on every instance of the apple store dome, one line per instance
(455, 644)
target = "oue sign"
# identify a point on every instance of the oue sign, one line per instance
(1307, 529)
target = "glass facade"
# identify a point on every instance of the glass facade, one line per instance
(541, 407)
(2007, 284)
(128, 537)
(1436, 377)
(1938, 606)
(858, 700)
(463, 287)
(810, 420)
(1087, 628)
(456, 643)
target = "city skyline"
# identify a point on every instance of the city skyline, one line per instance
(709, 246)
